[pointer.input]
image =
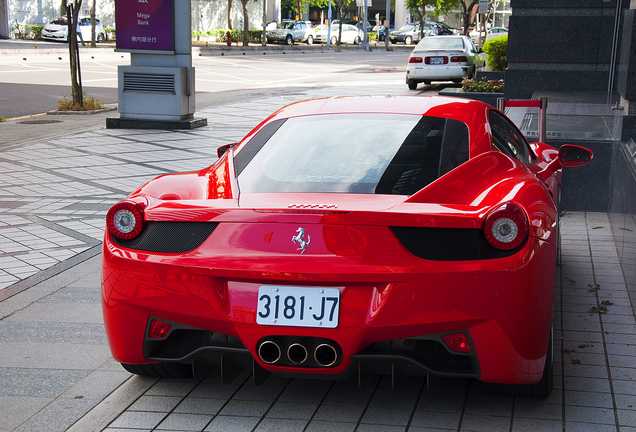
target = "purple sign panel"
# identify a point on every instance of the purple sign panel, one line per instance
(144, 25)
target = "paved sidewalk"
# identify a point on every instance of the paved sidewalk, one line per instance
(56, 373)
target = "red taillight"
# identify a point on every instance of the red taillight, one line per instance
(415, 59)
(506, 227)
(125, 220)
(158, 329)
(457, 342)
(459, 59)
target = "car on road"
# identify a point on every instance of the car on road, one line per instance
(350, 34)
(444, 29)
(493, 32)
(442, 58)
(410, 33)
(404, 235)
(58, 29)
(292, 32)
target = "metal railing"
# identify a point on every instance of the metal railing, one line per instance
(541, 103)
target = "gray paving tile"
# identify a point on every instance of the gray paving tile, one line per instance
(339, 413)
(485, 423)
(161, 404)
(280, 425)
(184, 422)
(440, 420)
(137, 419)
(291, 410)
(232, 424)
(17, 409)
(330, 426)
(194, 405)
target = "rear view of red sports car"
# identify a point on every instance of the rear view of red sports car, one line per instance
(411, 235)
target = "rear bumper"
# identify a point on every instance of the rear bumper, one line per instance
(503, 305)
(440, 72)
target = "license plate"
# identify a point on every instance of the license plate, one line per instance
(436, 60)
(298, 306)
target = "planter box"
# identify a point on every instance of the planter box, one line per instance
(487, 97)
(489, 75)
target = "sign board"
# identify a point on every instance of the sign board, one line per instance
(144, 25)
(483, 6)
(360, 3)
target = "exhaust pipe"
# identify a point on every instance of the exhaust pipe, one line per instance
(325, 355)
(269, 351)
(297, 353)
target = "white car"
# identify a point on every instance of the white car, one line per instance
(442, 58)
(493, 32)
(350, 34)
(58, 30)
(292, 31)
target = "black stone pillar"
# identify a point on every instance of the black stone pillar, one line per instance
(626, 84)
(565, 45)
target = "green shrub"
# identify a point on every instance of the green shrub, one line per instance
(492, 86)
(497, 50)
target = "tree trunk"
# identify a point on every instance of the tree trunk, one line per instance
(299, 5)
(93, 37)
(246, 25)
(63, 7)
(229, 14)
(74, 58)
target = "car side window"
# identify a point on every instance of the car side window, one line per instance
(507, 139)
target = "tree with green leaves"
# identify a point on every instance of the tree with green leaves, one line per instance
(341, 8)
(298, 6)
(440, 7)
(467, 7)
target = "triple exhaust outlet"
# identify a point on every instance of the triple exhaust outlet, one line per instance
(299, 352)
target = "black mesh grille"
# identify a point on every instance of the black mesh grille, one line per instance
(170, 237)
(429, 353)
(448, 244)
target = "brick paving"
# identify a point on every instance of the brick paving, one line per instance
(56, 373)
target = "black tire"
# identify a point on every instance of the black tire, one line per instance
(427, 82)
(310, 40)
(457, 80)
(334, 40)
(412, 84)
(356, 41)
(542, 389)
(101, 37)
(289, 39)
(408, 40)
(161, 370)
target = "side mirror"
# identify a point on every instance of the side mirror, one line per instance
(574, 156)
(221, 150)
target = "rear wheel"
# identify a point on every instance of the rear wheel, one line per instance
(289, 40)
(412, 84)
(457, 80)
(356, 41)
(408, 40)
(310, 40)
(542, 389)
(162, 370)
(101, 37)
(334, 40)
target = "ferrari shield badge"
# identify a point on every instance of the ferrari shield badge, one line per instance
(299, 239)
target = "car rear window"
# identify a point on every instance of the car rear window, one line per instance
(441, 43)
(352, 153)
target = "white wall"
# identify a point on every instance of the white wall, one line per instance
(44, 11)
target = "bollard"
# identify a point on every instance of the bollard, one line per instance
(36, 45)
(229, 39)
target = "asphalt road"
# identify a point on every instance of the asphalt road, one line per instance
(35, 85)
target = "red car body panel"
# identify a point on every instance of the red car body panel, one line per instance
(386, 292)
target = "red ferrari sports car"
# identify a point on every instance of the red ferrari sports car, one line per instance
(406, 235)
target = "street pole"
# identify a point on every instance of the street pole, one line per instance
(387, 26)
(264, 22)
(364, 26)
(329, 25)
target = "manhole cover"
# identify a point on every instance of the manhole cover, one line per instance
(39, 121)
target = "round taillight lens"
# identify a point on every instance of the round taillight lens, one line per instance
(506, 227)
(125, 220)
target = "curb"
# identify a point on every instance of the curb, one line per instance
(97, 111)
